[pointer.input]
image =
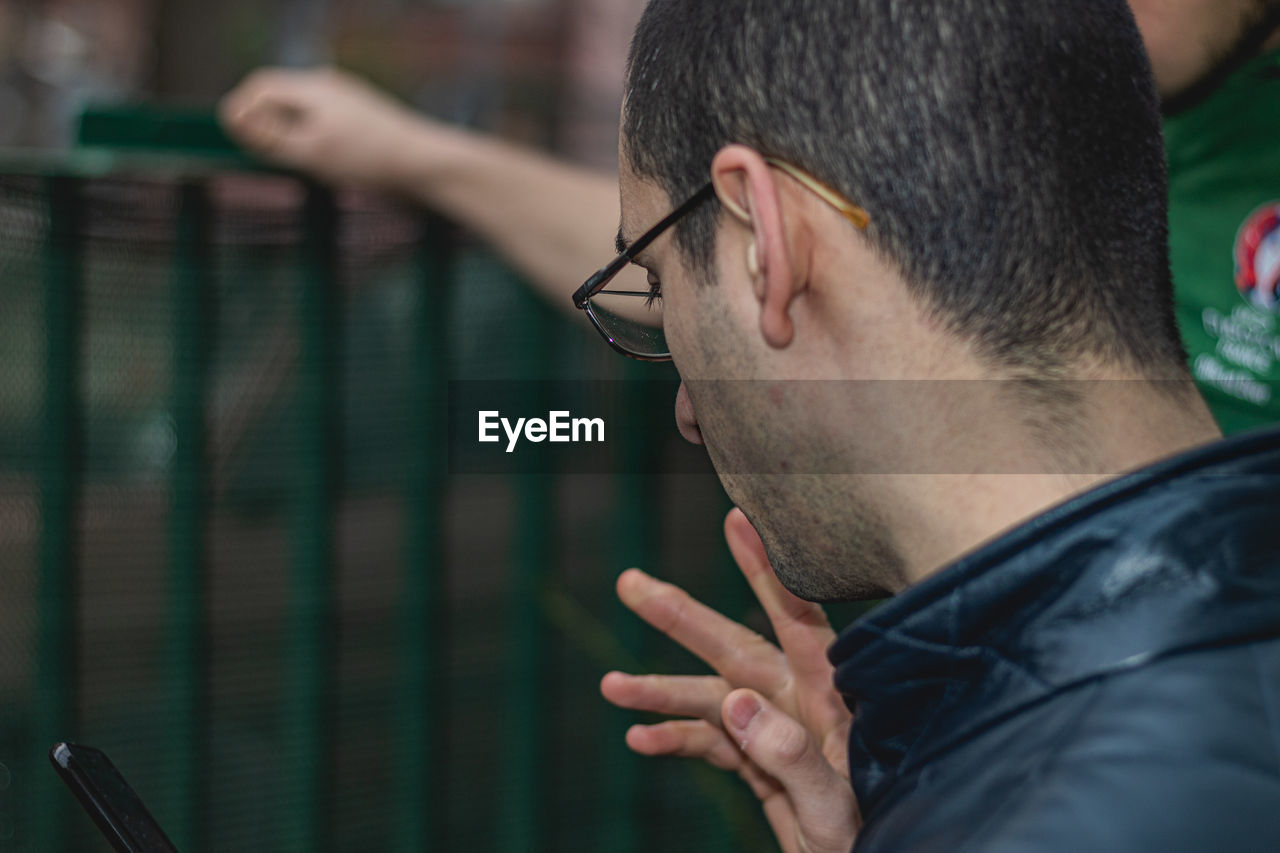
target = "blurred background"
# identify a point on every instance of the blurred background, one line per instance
(541, 71)
(232, 553)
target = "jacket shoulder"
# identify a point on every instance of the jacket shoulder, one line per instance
(1182, 753)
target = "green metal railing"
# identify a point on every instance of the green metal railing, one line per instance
(538, 607)
(192, 298)
(54, 690)
(424, 605)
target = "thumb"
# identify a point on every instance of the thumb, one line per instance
(826, 816)
(252, 121)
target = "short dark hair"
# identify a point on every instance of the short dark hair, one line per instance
(1009, 152)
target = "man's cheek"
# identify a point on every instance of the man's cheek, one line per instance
(679, 337)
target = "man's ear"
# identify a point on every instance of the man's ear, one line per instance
(748, 189)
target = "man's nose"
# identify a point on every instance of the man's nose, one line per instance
(686, 420)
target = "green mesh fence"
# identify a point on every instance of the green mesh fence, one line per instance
(232, 557)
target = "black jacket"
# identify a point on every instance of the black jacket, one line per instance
(1104, 678)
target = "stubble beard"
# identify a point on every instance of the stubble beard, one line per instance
(824, 542)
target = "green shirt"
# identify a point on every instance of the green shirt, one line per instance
(1224, 231)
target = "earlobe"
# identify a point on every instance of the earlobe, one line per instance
(774, 291)
(775, 324)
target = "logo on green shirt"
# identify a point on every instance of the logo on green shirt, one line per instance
(1257, 256)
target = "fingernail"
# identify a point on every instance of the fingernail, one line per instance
(743, 710)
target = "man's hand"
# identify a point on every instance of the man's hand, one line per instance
(771, 715)
(554, 222)
(324, 122)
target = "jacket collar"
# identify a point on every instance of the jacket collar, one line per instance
(1184, 553)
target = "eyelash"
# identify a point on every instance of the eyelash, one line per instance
(655, 292)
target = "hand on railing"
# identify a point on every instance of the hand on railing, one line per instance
(553, 221)
(324, 122)
(772, 714)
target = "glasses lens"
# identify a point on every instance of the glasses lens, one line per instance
(629, 323)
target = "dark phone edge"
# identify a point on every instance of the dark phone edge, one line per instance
(100, 811)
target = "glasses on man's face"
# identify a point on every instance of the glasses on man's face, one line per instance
(631, 320)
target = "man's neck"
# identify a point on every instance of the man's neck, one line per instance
(1128, 425)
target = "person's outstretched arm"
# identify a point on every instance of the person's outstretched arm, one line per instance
(552, 221)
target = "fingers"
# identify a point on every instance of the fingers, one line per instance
(686, 739)
(826, 817)
(702, 740)
(251, 90)
(265, 130)
(739, 654)
(795, 620)
(269, 83)
(801, 627)
(262, 111)
(835, 746)
(782, 820)
(672, 695)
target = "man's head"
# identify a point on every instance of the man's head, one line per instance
(1008, 153)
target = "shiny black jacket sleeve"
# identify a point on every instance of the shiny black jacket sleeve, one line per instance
(1179, 754)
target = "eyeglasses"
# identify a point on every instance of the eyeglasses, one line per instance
(636, 331)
